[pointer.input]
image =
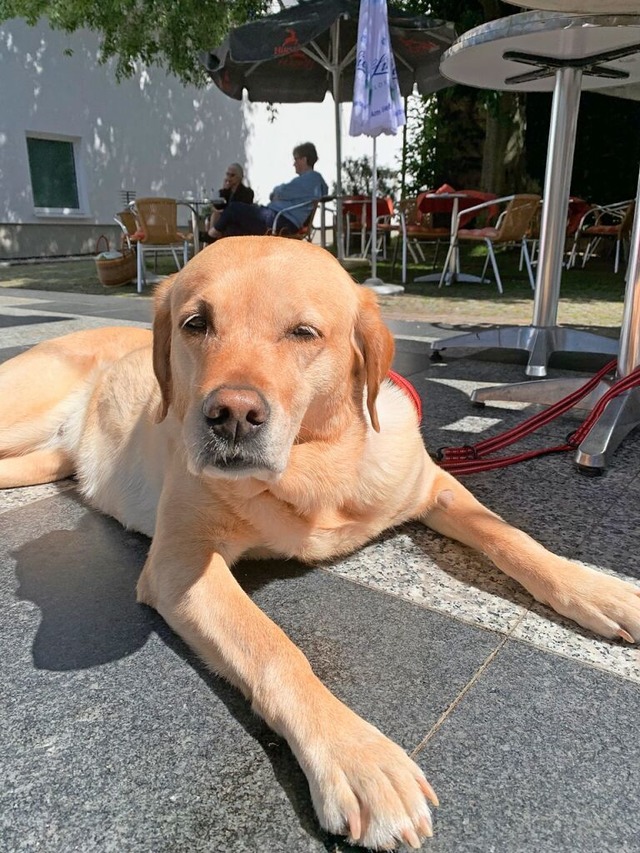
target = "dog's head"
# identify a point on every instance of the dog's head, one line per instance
(263, 342)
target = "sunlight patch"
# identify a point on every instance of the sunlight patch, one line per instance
(472, 424)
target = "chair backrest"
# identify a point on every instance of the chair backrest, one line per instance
(158, 220)
(415, 219)
(384, 207)
(306, 230)
(487, 216)
(627, 220)
(128, 220)
(412, 213)
(577, 209)
(516, 218)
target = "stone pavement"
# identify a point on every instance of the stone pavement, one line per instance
(115, 738)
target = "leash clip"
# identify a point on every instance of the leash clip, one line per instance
(572, 439)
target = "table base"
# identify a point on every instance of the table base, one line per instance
(545, 392)
(538, 341)
(621, 415)
(452, 278)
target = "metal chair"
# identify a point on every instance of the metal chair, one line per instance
(605, 222)
(419, 229)
(512, 227)
(307, 229)
(157, 222)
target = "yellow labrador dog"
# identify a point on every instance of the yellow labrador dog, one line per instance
(260, 422)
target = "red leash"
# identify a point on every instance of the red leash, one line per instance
(470, 459)
(408, 388)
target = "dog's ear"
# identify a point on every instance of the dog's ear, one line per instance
(374, 344)
(162, 344)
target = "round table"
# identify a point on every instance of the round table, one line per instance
(544, 51)
(596, 7)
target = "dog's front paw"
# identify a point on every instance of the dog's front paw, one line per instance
(366, 787)
(599, 602)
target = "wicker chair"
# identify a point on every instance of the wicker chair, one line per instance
(608, 222)
(157, 231)
(512, 227)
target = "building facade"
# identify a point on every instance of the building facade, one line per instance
(74, 143)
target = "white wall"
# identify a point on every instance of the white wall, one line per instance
(149, 134)
(270, 145)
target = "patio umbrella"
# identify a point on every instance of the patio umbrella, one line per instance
(377, 102)
(302, 52)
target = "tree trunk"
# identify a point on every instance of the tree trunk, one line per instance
(503, 156)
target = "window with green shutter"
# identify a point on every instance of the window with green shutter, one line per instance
(53, 173)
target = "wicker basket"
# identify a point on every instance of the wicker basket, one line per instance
(115, 271)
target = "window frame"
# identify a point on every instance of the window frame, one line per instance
(82, 211)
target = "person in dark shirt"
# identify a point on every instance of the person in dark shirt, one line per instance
(303, 190)
(233, 190)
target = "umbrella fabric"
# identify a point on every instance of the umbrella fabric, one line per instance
(290, 56)
(377, 103)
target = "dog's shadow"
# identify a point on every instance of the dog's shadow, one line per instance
(83, 582)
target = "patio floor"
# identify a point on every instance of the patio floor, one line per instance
(115, 738)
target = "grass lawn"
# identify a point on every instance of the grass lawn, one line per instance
(592, 297)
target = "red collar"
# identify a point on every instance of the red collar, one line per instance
(408, 388)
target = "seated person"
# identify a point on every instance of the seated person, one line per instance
(232, 190)
(242, 219)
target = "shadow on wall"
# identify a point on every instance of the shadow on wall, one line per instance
(149, 134)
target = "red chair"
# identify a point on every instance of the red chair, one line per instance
(354, 221)
(386, 223)
(419, 229)
(604, 222)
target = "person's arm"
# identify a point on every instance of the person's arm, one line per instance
(291, 192)
(302, 188)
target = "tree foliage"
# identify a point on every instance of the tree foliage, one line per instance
(357, 178)
(165, 33)
(497, 141)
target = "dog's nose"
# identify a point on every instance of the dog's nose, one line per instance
(235, 412)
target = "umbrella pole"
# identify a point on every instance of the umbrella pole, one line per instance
(374, 281)
(335, 72)
(374, 217)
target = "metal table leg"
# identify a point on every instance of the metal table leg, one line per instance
(544, 336)
(622, 414)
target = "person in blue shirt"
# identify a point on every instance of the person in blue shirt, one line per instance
(308, 185)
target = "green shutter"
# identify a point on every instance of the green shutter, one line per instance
(53, 173)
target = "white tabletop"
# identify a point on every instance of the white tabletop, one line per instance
(582, 7)
(477, 57)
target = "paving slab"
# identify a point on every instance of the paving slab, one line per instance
(526, 725)
(116, 738)
(552, 747)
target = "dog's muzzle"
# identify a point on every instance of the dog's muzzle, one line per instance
(235, 415)
(235, 428)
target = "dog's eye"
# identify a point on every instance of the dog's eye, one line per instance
(195, 323)
(304, 332)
